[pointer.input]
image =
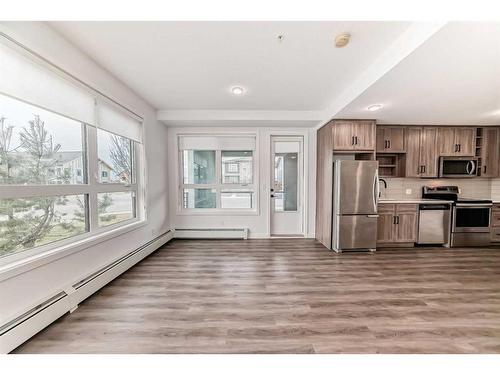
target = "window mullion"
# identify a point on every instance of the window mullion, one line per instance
(218, 163)
(93, 176)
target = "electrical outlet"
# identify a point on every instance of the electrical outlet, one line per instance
(408, 191)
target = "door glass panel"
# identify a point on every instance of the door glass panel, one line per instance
(285, 180)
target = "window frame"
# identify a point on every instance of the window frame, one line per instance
(218, 186)
(89, 188)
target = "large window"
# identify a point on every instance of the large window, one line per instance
(37, 146)
(214, 177)
(68, 160)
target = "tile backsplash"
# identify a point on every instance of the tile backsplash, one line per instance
(397, 188)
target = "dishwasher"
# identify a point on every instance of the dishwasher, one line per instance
(434, 224)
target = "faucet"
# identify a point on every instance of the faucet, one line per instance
(385, 186)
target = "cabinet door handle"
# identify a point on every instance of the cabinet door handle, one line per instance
(456, 148)
(459, 147)
(397, 219)
(385, 143)
(484, 170)
(394, 219)
(352, 141)
(425, 167)
(356, 140)
(389, 143)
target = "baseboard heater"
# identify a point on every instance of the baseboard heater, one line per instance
(211, 233)
(21, 328)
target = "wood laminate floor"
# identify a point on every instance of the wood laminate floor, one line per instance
(288, 296)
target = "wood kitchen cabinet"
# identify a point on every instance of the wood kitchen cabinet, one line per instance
(343, 136)
(358, 135)
(397, 223)
(495, 223)
(456, 141)
(385, 223)
(390, 139)
(489, 152)
(421, 152)
(406, 223)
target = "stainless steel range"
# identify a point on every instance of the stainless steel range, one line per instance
(470, 217)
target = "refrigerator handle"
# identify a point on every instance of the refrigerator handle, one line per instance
(376, 190)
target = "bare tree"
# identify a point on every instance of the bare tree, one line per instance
(121, 156)
(5, 140)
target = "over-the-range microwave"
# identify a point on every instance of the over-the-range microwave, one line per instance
(457, 167)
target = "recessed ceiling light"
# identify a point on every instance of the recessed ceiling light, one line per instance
(237, 90)
(374, 107)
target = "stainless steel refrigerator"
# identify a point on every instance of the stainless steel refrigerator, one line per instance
(355, 199)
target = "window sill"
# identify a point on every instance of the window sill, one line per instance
(26, 264)
(218, 212)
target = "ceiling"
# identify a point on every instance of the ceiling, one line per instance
(186, 70)
(192, 65)
(452, 79)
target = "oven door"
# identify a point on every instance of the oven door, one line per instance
(471, 218)
(457, 167)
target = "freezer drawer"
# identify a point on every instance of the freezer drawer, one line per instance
(356, 232)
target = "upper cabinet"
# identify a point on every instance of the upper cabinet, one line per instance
(390, 139)
(356, 135)
(456, 141)
(421, 155)
(489, 152)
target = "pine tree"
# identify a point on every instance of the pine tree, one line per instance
(29, 220)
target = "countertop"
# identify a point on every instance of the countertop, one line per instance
(415, 201)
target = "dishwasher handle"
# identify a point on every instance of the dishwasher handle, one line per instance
(426, 207)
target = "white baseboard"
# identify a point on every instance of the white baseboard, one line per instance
(211, 233)
(21, 328)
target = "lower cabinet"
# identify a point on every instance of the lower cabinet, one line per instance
(397, 223)
(495, 223)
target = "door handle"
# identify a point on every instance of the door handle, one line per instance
(424, 167)
(484, 170)
(456, 147)
(389, 143)
(394, 219)
(459, 147)
(385, 143)
(352, 141)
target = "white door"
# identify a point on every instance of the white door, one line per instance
(287, 189)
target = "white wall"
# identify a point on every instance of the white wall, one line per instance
(259, 223)
(24, 290)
